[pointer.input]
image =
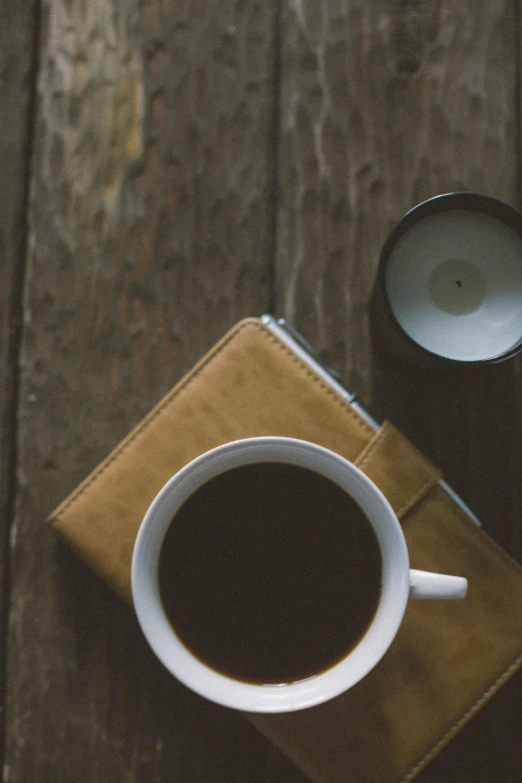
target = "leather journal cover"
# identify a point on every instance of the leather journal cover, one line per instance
(448, 658)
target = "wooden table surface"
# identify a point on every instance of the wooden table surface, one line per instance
(168, 168)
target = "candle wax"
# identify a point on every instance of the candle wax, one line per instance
(454, 283)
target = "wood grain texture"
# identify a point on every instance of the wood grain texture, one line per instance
(383, 105)
(17, 61)
(149, 235)
(17, 42)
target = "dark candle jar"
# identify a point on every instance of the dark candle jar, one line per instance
(448, 290)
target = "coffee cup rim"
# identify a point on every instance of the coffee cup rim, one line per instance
(281, 697)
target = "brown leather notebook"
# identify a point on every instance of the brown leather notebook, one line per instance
(449, 657)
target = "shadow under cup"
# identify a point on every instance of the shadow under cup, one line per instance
(279, 697)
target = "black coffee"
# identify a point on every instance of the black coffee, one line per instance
(270, 573)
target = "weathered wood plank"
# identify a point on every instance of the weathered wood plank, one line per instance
(150, 235)
(150, 227)
(17, 60)
(384, 105)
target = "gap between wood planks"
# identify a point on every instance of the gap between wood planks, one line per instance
(15, 321)
(274, 174)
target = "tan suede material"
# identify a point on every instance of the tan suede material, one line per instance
(250, 384)
(398, 468)
(442, 666)
(448, 658)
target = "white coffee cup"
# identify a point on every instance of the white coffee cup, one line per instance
(399, 582)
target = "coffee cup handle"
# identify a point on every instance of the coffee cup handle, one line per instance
(425, 584)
